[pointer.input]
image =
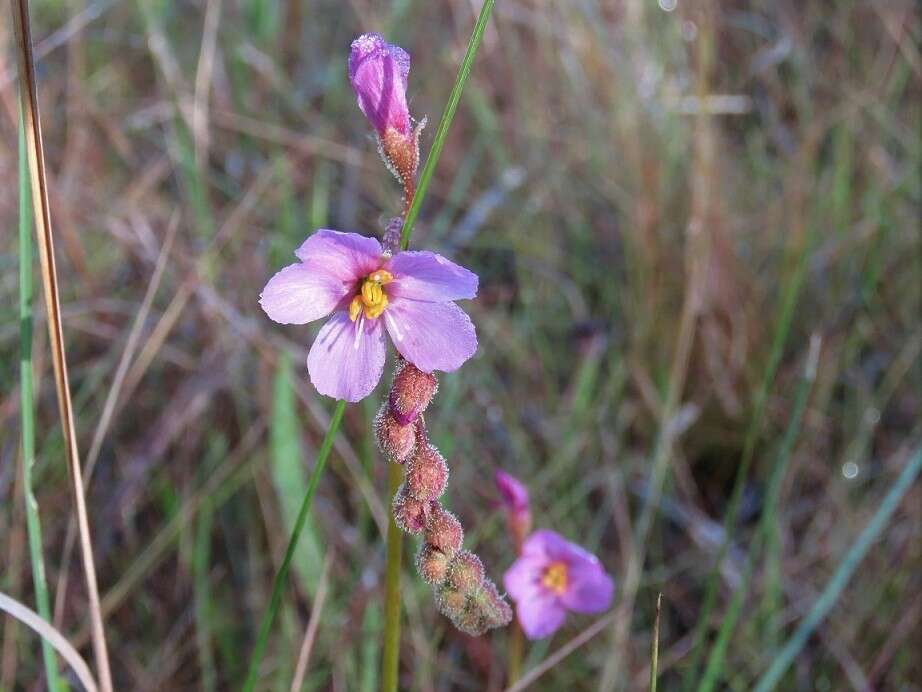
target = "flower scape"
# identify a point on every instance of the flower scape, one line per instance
(370, 291)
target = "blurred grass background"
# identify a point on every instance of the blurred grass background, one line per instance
(654, 195)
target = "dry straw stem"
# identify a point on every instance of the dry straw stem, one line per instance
(49, 634)
(40, 204)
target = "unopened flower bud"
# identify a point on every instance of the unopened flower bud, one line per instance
(473, 620)
(432, 564)
(497, 609)
(411, 392)
(396, 441)
(465, 573)
(443, 531)
(450, 602)
(427, 472)
(410, 514)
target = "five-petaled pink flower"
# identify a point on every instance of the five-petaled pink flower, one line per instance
(368, 292)
(378, 72)
(551, 577)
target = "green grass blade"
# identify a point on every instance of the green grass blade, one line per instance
(447, 116)
(279, 582)
(840, 578)
(288, 476)
(33, 524)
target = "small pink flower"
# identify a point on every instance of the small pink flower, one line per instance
(515, 502)
(409, 295)
(551, 577)
(378, 72)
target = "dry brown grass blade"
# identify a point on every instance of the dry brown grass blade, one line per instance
(29, 94)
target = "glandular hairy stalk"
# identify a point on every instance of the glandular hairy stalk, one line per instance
(462, 591)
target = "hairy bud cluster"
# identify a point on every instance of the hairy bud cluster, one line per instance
(463, 593)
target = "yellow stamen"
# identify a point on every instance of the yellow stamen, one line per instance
(371, 298)
(382, 276)
(355, 307)
(555, 578)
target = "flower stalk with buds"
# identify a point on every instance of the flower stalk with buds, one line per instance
(462, 591)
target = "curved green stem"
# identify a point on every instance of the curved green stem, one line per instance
(278, 583)
(516, 646)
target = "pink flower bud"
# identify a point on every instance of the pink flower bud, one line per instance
(411, 392)
(514, 495)
(427, 472)
(410, 514)
(465, 573)
(443, 531)
(450, 602)
(395, 441)
(432, 564)
(378, 72)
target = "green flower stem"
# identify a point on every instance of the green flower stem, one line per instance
(390, 659)
(278, 583)
(516, 647)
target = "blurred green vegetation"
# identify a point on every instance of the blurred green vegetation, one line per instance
(739, 178)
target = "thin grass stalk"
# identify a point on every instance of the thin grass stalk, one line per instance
(714, 665)
(41, 208)
(27, 408)
(654, 653)
(843, 573)
(390, 656)
(278, 582)
(441, 131)
(49, 634)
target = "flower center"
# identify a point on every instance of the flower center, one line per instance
(371, 298)
(555, 578)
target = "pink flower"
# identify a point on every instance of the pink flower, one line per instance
(409, 295)
(515, 502)
(551, 577)
(378, 72)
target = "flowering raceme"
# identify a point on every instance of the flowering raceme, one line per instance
(551, 577)
(369, 292)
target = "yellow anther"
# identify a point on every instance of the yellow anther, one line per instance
(355, 307)
(382, 276)
(371, 298)
(555, 578)
(373, 311)
(372, 293)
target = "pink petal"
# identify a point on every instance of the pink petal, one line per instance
(299, 294)
(426, 276)
(523, 579)
(378, 72)
(347, 358)
(546, 544)
(589, 588)
(432, 336)
(346, 256)
(541, 616)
